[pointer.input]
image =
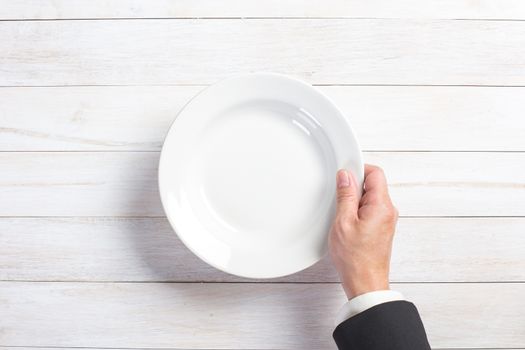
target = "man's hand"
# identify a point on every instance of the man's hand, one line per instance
(362, 232)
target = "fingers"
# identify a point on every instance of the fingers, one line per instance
(375, 183)
(347, 194)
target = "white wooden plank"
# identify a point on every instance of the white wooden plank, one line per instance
(98, 184)
(89, 118)
(449, 184)
(338, 51)
(247, 316)
(384, 117)
(125, 183)
(64, 9)
(146, 249)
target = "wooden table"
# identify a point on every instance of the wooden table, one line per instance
(434, 89)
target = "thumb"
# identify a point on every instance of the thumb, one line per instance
(347, 194)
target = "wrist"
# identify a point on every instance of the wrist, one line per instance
(356, 287)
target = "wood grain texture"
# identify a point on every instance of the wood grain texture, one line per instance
(125, 183)
(337, 51)
(241, 316)
(64, 9)
(146, 249)
(455, 184)
(88, 184)
(389, 118)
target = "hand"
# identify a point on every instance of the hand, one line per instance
(362, 232)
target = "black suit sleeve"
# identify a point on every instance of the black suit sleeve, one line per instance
(395, 325)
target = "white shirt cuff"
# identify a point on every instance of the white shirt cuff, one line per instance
(364, 302)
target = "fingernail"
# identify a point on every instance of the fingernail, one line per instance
(343, 180)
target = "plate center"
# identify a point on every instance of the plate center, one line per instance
(263, 169)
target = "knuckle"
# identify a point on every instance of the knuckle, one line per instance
(390, 213)
(342, 223)
(345, 195)
(391, 219)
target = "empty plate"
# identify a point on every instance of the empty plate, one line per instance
(247, 174)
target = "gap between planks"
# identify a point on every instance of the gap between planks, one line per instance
(331, 9)
(211, 18)
(317, 84)
(256, 282)
(150, 348)
(156, 151)
(142, 348)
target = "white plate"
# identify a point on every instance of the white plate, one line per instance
(247, 174)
